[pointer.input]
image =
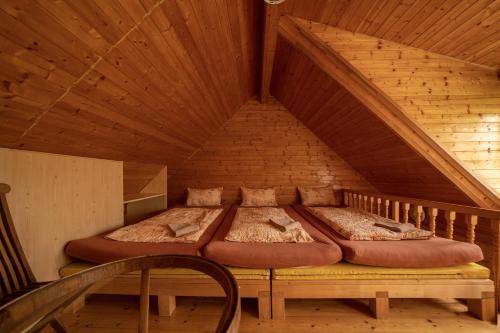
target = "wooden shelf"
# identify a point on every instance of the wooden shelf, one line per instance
(128, 198)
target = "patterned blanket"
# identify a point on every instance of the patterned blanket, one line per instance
(252, 225)
(156, 230)
(356, 224)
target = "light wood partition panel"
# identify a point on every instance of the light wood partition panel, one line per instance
(56, 198)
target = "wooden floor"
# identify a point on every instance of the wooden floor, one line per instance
(118, 314)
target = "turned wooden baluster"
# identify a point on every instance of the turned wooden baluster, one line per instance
(432, 219)
(346, 198)
(355, 200)
(406, 209)
(471, 222)
(450, 217)
(365, 202)
(395, 211)
(379, 202)
(360, 201)
(351, 200)
(371, 204)
(418, 221)
(386, 204)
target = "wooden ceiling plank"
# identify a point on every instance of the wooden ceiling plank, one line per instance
(272, 13)
(208, 33)
(415, 23)
(475, 30)
(232, 16)
(231, 56)
(173, 59)
(296, 32)
(165, 89)
(188, 31)
(416, 8)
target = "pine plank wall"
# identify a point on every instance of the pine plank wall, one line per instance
(263, 145)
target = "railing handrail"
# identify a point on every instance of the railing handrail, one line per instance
(34, 309)
(462, 209)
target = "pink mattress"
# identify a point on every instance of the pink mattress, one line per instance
(100, 250)
(272, 255)
(434, 252)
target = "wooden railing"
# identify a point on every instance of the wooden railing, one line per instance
(33, 311)
(401, 209)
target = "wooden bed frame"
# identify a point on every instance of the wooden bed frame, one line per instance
(167, 289)
(480, 293)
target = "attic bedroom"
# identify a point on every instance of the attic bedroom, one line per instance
(249, 166)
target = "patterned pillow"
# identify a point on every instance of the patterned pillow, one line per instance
(204, 197)
(258, 197)
(317, 196)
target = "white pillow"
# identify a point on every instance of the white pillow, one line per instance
(317, 196)
(258, 197)
(204, 197)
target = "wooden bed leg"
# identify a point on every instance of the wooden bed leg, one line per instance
(278, 305)
(264, 300)
(483, 308)
(166, 305)
(379, 306)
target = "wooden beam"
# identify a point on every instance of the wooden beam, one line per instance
(272, 13)
(296, 31)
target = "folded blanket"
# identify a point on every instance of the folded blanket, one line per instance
(284, 225)
(157, 229)
(183, 229)
(396, 227)
(356, 224)
(252, 225)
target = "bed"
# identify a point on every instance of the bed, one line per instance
(433, 252)
(166, 284)
(99, 249)
(320, 251)
(363, 277)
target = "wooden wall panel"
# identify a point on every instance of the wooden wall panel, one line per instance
(353, 132)
(56, 198)
(137, 175)
(145, 81)
(457, 102)
(263, 145)
(467, 30)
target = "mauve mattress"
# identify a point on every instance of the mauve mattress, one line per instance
(272, 255)
(100, 250)
(434, 252)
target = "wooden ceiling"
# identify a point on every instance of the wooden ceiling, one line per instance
(146, 81)
(464, 29)
(151, 81)
(457, 102)
(354, 132)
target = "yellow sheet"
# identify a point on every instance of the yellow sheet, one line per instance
(346, 271)
(174, 273)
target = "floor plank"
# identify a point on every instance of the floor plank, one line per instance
(119, 314)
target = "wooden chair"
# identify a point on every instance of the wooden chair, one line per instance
(16, 276)
(33, 311)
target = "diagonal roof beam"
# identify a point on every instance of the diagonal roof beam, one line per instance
(273, 9)
(297, 32)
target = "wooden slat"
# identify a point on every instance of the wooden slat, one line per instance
(252, 150)
(136, 81)
(271, 16)
(461, 29)
(297, 32)
(455, 101)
